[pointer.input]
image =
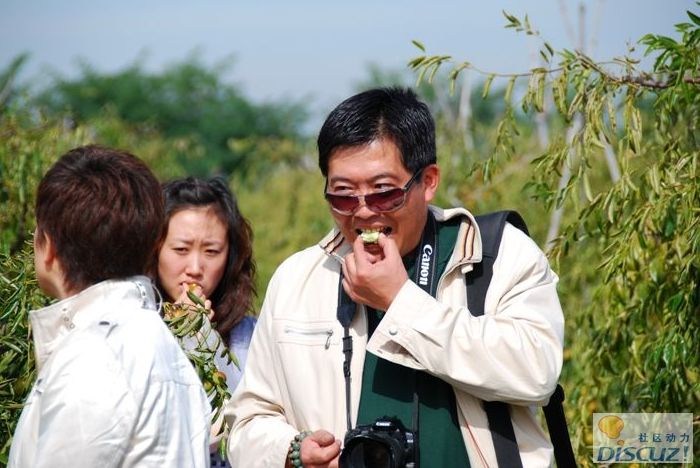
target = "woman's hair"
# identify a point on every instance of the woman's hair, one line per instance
(102, 209)
(233, 296)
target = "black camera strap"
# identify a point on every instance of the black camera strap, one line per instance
(498, 414)
(346, 309)
(425, 278)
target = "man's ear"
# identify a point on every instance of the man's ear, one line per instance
(431, 180)
(49, 271)
(49, 257)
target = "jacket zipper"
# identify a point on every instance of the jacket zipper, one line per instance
(301, 331)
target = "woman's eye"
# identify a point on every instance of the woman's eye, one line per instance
(180, 250)
(213, 252)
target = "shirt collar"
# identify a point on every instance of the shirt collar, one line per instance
(53, 323)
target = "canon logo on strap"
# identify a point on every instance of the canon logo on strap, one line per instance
(425, 264)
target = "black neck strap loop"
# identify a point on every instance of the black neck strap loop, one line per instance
(425, 277)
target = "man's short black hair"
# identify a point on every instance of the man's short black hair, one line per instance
(392, 113)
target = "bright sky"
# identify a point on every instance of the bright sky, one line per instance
(312, 49)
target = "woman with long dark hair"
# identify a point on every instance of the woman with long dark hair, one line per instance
(207, 249)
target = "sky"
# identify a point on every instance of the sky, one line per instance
(311, 50)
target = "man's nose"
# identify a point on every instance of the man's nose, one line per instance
(362, 210)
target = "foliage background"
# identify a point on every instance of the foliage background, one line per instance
(627, 248)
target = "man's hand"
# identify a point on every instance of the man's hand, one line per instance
(320, 449)
(374, 279)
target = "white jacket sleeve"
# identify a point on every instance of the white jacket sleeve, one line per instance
(513, 353)
(259, 434)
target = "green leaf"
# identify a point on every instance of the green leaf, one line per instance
(509, 89)
(693, 17)
(559, 93)
(416, 62)
(436, 66)
(549, 49)
(195, 298)
(421, 73)
(539, 95)
(487, 86)
(587, 187)
(675, 303)
(419, 45)
(454, 73)
(513, 21)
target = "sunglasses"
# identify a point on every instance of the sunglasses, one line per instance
(379, 202)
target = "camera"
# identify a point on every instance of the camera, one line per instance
(383, 444)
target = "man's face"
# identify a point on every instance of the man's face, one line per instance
(366, 169)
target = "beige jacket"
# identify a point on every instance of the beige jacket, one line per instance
(294, 379)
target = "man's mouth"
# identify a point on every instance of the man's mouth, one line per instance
(371, 235)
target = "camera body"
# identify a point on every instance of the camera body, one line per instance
(386, 443)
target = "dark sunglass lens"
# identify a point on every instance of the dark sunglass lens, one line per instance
(385, 201)
(343, 203)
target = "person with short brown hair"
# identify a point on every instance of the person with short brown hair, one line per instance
(113, 387)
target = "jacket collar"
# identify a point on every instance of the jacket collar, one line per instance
(53, 323)
(468, 248)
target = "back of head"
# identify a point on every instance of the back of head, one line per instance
(103, 211)
(392, 113)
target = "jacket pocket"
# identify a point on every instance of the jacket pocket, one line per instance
(306, 333)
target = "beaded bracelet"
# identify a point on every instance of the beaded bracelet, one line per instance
(294, 454)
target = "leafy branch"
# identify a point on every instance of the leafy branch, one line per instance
(623, 179)
(190, 325)
(429, 65)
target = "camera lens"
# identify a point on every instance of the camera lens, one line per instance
(383, 444)
(370, 454)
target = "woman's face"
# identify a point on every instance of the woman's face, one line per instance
(195, 251)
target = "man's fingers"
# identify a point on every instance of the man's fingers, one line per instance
(323, 456)
(358, 249)
(323, 438)
(389, 247)
(350, 267)
(367, 254)
(320, 448)
(348, 288)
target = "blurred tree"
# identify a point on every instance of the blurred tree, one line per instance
(185, 100)
(18, 294)
(629, 243)
(301, 217)
(8, 85)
